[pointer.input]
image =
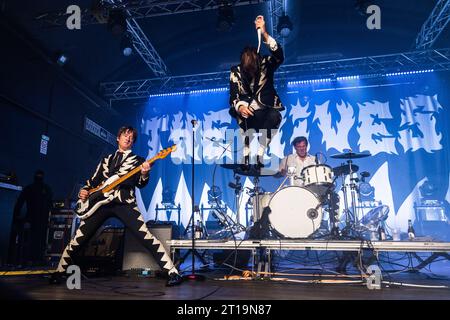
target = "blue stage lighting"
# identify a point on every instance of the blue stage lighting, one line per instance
(408, 72)
(198, 91)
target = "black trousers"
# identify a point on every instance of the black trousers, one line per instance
(263, 119)
(267, 118)
(132, 219)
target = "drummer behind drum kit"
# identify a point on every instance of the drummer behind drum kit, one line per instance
(298, 211)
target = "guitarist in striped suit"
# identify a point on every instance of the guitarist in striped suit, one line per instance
(122, 205)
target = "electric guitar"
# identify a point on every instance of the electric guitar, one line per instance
(104, 193)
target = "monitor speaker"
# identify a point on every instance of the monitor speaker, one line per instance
(136, 257)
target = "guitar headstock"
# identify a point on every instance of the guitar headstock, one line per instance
(164, 153)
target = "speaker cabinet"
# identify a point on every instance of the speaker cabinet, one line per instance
(136, 257)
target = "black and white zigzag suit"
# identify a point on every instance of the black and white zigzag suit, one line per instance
(258, 94)
(123, 206)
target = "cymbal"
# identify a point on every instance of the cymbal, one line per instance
(350, 155)
(253, 172)
(345, 169)
(232, 166)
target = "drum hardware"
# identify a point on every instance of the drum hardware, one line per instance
(263, 199)
(290, 175)
(252, 172)
(351, 219)
(330, 203)
(350, 215)
(237, 186)
(312, 214)
(345, 169)
(364, 175)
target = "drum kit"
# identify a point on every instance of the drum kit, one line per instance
(295, 211)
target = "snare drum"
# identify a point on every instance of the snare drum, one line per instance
(318, 178)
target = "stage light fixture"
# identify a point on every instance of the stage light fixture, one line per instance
(309, 81)
(214, 195)
(221, 89)
(61, 59)
(408, 72)
(366, 192)
(284, 26)
(428, 191)
(126, 46)
(225, 19)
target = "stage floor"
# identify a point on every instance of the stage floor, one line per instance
(122, 288)
(296, 270)
(430, 284)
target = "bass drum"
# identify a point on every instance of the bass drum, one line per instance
(295, 212)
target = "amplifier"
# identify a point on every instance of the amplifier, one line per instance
(431, 213)
(58, 233)
(8, 197)
(103, 253)
(136, 257)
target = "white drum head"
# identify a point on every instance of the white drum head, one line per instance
(295, 212)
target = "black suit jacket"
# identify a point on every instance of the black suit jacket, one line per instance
(106, 169)
(263, 92)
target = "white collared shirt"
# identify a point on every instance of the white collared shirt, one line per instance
(294, 160)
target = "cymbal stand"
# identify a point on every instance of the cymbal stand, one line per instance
(328, 198)
(353, 191)
(237, 194)
(256, 211)
(346, 210)
(349, 214)
(288, 176)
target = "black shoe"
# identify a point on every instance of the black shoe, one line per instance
(174, 279)
(56, 278)
(246, 165)
(259, 163)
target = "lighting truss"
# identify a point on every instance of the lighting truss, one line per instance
(140, 9)
(276, 10)
(433, 26)
(142, 45)
(145, 49)
(363, 67)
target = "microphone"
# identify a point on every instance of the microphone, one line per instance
(259, 38)
(317, 159)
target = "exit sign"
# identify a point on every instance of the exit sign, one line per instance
(44, 144)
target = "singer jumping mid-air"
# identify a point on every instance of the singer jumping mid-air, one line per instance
(254, 103)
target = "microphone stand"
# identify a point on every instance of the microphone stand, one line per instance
(193, 276)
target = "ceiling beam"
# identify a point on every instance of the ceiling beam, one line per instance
(370, 66)
(433, 26)
(139, 10)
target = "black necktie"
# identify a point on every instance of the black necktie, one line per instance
(118, 159)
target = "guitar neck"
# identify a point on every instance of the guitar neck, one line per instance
(125, 177)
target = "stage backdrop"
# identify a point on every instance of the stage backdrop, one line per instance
(403, 126)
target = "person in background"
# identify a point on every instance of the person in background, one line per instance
(32, 227)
